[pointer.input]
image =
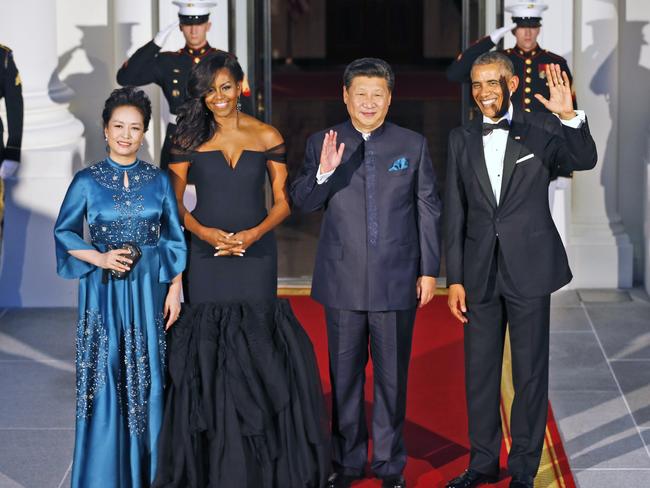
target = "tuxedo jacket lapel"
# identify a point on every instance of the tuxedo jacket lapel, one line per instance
(516, 134)
(477, 158)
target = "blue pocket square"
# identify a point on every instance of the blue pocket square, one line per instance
(399, 164)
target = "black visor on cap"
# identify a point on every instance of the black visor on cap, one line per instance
(527, 21)
(193, 19)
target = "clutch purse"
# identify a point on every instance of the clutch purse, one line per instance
(134, 255)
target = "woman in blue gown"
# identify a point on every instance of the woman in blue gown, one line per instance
(120, 355)
(244, 405)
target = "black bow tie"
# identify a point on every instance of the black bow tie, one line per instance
(502, 124)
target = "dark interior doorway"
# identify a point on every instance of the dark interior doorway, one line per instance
(299, 83)
(393, 30)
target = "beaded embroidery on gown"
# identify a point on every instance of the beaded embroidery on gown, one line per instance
(244, 407)
(120, 344)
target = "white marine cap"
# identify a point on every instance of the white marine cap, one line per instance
(527, 13)
(194, 11)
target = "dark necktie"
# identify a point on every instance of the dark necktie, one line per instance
(502, 124)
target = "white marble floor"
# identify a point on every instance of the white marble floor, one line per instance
(600, 385)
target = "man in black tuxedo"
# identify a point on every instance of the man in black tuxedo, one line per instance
(378, 256)
(505, 256)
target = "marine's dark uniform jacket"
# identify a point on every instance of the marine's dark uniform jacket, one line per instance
(168, 69)
(11, 91)
(529, 67)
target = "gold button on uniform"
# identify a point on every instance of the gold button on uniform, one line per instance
(529, 61)
(529, 70)
(528, 110)
(175, 82)
(527, 101)
(528, 79)
(197, 60)
(176, 93)
(527, 89)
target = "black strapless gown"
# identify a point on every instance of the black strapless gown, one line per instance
(244, 405)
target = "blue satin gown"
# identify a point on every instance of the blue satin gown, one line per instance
(120, 355)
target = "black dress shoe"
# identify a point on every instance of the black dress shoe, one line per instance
(522, 482)
(470, 479)
(339, 480)
(393, 482)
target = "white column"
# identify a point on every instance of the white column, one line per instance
(634, 124)
(599, 250)
(646, 224)
(51, 151)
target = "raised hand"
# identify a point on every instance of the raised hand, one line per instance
(560, 100)
(164, 33)
(330, 157)
(500, 33)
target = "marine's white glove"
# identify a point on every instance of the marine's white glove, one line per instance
(499, 34)
(162, 36)
(8, 168)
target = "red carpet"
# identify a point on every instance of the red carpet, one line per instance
(435, 430)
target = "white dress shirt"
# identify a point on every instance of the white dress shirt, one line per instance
(323, 177)
(494, 147)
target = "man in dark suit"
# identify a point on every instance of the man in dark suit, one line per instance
(505, 257)
(377, 259)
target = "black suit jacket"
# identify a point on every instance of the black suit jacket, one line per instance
(532, 249)
(380, 228)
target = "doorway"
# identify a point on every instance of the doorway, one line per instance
(300, 49)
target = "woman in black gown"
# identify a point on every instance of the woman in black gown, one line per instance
(244, 404)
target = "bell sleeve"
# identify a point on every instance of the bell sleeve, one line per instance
(171, 246)
(68, 232)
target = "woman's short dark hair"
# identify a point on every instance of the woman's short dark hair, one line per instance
(196, 123)
(130, 97)
(370, 67)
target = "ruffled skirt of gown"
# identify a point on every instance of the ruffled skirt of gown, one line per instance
(244, 405)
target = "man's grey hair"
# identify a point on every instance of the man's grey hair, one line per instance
(495, 57)
(371, 67)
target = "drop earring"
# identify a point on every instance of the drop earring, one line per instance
(239, 104)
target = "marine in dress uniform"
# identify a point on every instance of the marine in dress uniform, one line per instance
(530, 64)
(12, 92)
(171, 70)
